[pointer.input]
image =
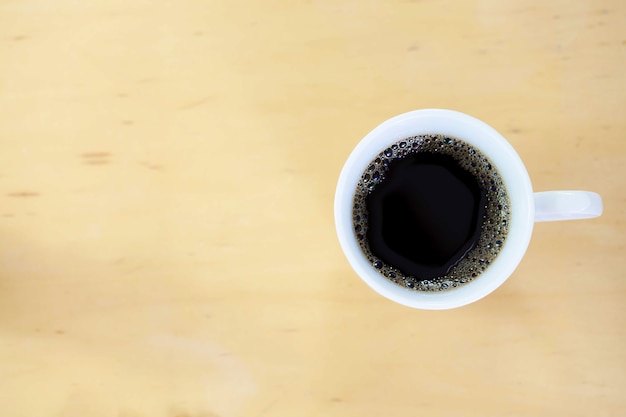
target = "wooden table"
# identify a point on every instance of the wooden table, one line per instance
(167, 171)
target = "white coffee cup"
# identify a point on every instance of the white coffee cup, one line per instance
(526, 207)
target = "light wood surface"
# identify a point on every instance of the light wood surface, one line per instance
(167, 171)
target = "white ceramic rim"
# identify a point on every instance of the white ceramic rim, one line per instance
(503, 157)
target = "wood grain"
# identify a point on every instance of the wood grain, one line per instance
(167, 171)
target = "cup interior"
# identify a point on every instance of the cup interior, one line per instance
(488, 141)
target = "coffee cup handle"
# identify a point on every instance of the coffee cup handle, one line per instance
(567, 205)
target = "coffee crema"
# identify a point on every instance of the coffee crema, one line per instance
(431, 212)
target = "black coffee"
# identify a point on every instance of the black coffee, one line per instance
(431, 212)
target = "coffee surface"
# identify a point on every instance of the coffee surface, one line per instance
(431, 212)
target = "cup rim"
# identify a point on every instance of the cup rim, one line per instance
(495, 147)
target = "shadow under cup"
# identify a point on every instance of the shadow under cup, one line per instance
(506, 161)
